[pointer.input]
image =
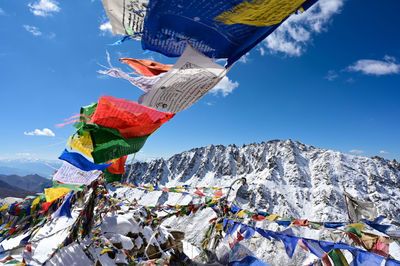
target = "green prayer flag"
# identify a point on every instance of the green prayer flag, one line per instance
(315, 225)
(208, 199)
(337, 257)
(85, 112)
(13, 262)
(72, 187)
(354, 230)
(108, 143)
(112, 177)
(42, 197)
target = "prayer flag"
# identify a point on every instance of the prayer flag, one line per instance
(360, 209)
(192, 76)
(126, 17)
(54, 193)
(290, 243)
(147, 68)
(69, 174)
(118, 167)
(218, 28)
(130, 118)
(81, 162)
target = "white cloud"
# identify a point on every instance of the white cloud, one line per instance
(225, 86)
(106, 28)
(245, 58)
(32, 29)
(261, 50)
(2, 11)
(23, 154)
(384, 152)
(292, 36)
(43, 132)
(386, 66)
(44, 8)
(356, 151)
(332, 75)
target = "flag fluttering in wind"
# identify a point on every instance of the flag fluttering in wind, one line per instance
(360, 209)
(147, 68)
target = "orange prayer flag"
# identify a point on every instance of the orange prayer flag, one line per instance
(146, 67)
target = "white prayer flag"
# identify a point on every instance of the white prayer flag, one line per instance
(72, 175)
(142, 82)
(192, 76)
(360, 209)
(126, 17)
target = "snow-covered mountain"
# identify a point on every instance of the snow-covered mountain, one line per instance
(283, 177)
(286, 178)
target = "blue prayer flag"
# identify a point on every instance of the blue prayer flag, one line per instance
(290, 243)
(81, 162)
(170, 25)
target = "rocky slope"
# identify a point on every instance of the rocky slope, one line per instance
(283, 177)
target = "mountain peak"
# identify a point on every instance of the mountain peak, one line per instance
(284, 177)
(298, 171)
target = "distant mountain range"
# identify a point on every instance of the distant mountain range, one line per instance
(28, 166)
(21, 186)
(7, 190)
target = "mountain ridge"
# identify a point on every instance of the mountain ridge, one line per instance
(33, 183)
(284, 177)
(28, 166)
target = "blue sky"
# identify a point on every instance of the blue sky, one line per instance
(328, 78)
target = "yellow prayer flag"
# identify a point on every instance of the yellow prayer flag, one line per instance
(272, 217)
(55, 193)
(219, 227)
(35, 202)
(241, 214)
(4, 207)
(342, 257)
(259, 13)
(83, 144)
(8, 224)
(105, 250)
(358, 226)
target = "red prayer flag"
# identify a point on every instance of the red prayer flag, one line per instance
(218, 193)
(299, 222)
(325, 260)
(118, 167)
(198, 192)
(353, 237)
(147, 68)
(381, 247)
(257, 217)
(130, 118)
(302, 245)
(46, 206)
